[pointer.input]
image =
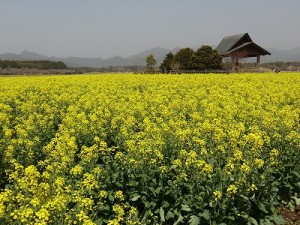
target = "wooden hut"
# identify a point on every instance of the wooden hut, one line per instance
(240, 46)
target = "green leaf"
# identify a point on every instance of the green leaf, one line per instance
(165, 204)
(262, 207)
(274, 189)
(194, 220)
(157, 190)
(205, 214)
(179, 220)
(145, 215)
(135, 197)
(152, 190)
(265, 222)
(297, 200)
(288, 185)
(252, 220)
(111, 197)
(162, 214)
(231, 218)
(167, 192)
(169, 215)
(244, 197)
(296, 174)
(278, 219)
(185, 208)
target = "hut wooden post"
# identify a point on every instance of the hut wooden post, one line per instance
(257, 61)
(235, 62)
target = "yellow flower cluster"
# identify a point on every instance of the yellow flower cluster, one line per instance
(70, 144)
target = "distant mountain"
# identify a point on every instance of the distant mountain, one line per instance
(25, 55)
(139, 58)
(80, 62)
(10, 56)
(283, 55)
(158, 53)
(134, 60)
(32, 56)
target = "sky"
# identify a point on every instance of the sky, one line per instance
(106, 28)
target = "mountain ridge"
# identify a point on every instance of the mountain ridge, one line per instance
(137, 59)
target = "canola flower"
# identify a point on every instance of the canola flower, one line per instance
(147, 149)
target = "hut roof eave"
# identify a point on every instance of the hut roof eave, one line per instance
(258, 50)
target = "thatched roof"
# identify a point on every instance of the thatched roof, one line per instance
(240, 43)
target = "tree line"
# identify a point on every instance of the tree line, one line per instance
(204, 58)
(207, 59)
(41, 64)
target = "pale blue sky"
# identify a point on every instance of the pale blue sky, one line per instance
(105, 28)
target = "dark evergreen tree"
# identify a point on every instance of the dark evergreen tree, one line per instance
(167, 63)
(206, 58)
(183, 59)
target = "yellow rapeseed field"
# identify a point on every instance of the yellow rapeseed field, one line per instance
(149, 149)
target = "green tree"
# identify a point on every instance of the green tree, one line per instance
(206, 58)
(184, 58)
(167, 63)
(3, 64)
(41, 65)
(151, 62)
